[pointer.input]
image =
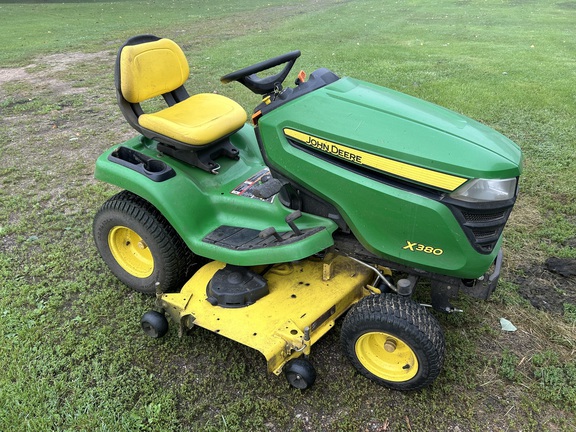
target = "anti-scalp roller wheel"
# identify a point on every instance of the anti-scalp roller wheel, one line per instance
(154, 324)
(300, 373)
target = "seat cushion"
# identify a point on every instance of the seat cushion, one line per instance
(201, 119)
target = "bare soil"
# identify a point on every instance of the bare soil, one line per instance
(550, 285)
(51, 66)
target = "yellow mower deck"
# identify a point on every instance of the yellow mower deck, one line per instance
(305, 299)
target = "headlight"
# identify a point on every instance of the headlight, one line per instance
(486, 190)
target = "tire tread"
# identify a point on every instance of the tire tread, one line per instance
(407, 317)
(178, 258)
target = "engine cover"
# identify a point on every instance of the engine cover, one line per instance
(387, 163)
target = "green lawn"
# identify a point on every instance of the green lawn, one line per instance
(74, 357)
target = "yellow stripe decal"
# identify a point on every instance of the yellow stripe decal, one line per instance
(399, 169)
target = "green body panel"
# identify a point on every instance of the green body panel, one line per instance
(387, 219)
(196, 203)
(400, 220)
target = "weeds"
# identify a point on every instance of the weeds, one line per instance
(508, 365)
(556, 378)
(570, 313)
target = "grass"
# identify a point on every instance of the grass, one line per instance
(73, 355)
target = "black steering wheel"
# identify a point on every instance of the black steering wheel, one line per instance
(248, 77)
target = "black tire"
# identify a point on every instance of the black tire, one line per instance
(300, 373)
(154, 324)
(394, 342)
(139, 245)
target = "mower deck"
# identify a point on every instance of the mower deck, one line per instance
(304, 300)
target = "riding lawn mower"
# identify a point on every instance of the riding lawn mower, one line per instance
(338, 199)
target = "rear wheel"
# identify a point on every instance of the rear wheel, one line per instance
(394, 341)
(139, 245)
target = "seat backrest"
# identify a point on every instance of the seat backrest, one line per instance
(150, 69)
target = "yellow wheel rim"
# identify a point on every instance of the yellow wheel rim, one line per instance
(386, 356)
(131, 252)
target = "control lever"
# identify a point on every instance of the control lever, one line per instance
(264, 234)
(290, 221)
(267, 188)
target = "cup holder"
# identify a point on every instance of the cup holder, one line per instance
(156, 170)
(155, 166)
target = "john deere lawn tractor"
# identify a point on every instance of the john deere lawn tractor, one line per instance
(335, 199)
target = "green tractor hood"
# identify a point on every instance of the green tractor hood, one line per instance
(360, 116)
(388, 162)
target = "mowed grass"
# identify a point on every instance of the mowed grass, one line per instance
(74, 357)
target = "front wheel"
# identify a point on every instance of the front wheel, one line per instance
(394, 342)
(139, 245)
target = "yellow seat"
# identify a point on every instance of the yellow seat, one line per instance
(198, 120)
(147, 67)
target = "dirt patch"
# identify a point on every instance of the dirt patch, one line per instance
(13, 74)
(549, 286)
(59, 113)
(49, 66)
(62, 62)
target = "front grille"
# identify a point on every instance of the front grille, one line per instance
(483, 217)
(481, 235)
(482, 223)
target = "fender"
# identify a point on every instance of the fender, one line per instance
(200, 205)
